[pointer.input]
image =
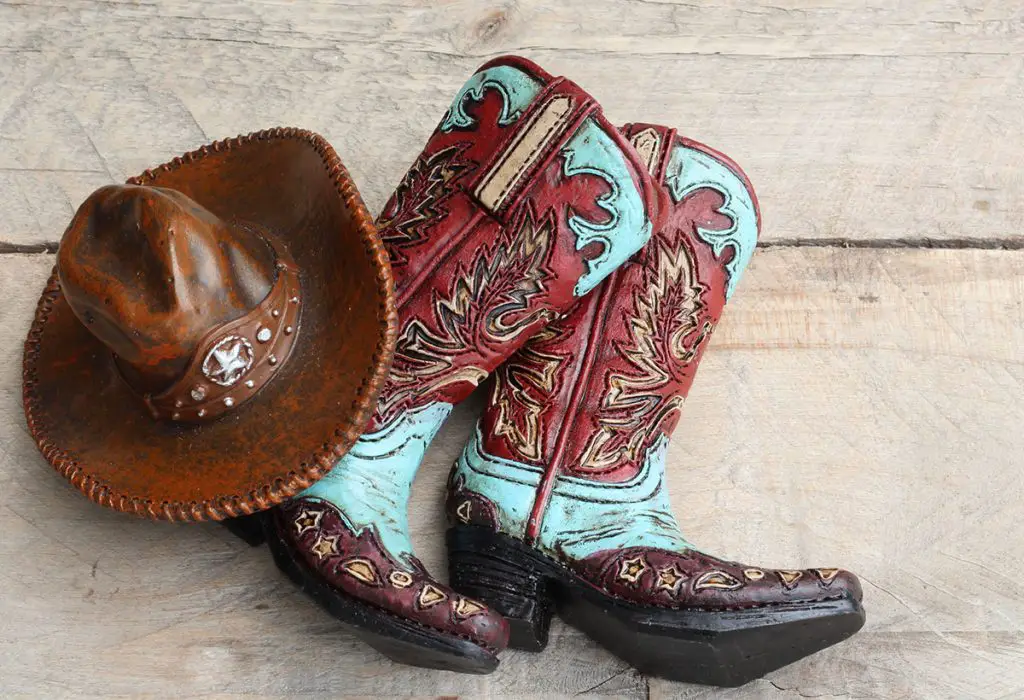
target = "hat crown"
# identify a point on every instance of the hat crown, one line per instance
(149, 272)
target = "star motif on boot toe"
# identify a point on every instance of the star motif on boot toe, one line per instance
(633, 569)
(307, 520)
(325, 546)
(670, 579)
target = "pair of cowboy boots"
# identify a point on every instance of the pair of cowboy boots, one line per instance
(586, 266)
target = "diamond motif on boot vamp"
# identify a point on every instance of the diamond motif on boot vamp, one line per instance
(431, 596)
(362, 570)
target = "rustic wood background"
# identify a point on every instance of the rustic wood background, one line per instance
(861, 405)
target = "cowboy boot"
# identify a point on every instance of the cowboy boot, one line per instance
(522, 201)
(559, 502)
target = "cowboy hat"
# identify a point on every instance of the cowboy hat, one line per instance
(215, 333)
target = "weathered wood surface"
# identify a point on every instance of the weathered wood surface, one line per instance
(858, 407)
(861, 408)
(897, 120)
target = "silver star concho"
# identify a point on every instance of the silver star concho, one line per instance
(228, 360)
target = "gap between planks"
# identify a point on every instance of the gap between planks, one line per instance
(1008, 243)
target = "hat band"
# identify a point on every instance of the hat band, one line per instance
(234, 361)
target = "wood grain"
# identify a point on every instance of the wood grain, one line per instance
(858, 408)
(890, 121)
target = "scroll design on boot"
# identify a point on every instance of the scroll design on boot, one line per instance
(692, 169)
(519, 401)
(486, 305)
(418, 202)
(664, 332)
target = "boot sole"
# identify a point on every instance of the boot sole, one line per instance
(712, 647)
(400, 640)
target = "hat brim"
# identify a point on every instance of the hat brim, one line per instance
(97, 432)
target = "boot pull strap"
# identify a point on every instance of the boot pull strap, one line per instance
(549, 122)
(653, 146)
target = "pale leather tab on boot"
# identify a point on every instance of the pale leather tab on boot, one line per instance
(544, 127)
(648, 145)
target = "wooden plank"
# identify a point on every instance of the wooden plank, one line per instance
(891, 121)
(857, 407)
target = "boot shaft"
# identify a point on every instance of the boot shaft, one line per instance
(590, 394)
(522, 201)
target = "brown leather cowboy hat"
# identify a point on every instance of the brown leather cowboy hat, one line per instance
(215, 333)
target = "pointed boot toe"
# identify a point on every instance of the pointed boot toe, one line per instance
(392, 605)
(847, 582)
(696, 618)
(834, 583)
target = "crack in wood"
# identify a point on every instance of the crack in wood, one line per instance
(27, 248)
(1009, 243)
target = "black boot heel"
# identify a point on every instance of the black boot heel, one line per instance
(483, 566)
(248, 528)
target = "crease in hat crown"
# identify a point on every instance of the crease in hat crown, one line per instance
(199, 313)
